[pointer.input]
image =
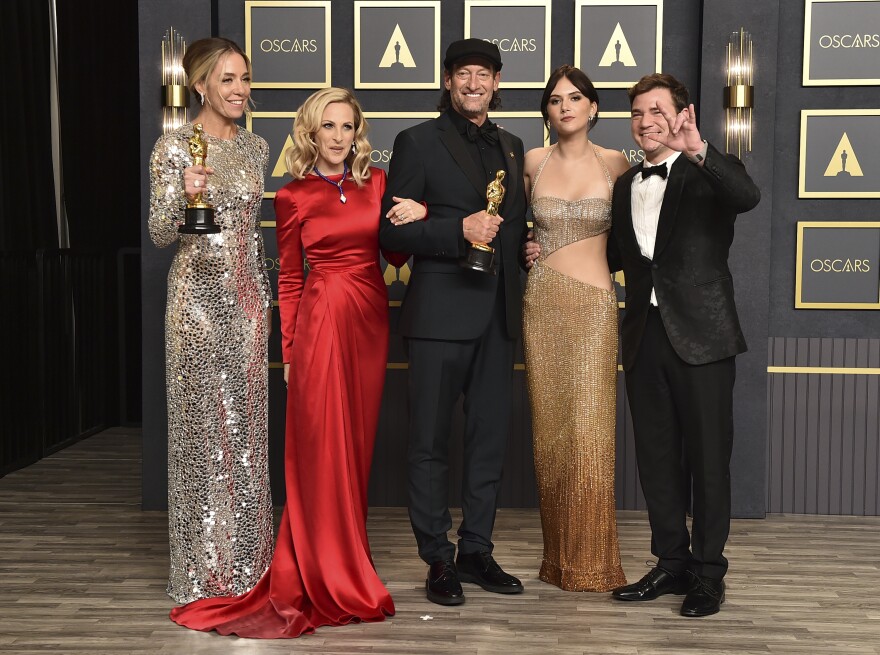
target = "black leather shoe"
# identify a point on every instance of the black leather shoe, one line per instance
(704, 598)
(442, 584)
(656, 583)
(483, 570)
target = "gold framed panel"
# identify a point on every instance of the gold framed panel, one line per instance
(276, 151)
(623, 143)
(547, 5)
(802, 165)
(579, 35)
(381, 142)
(808, 31)
(250, 5)
(434, 83)
(496, 115)
(798, 286)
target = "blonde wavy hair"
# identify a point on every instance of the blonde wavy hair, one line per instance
(302, 155)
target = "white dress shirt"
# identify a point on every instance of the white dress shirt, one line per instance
(645, 201)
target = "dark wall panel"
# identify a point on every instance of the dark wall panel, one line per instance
(823, 449)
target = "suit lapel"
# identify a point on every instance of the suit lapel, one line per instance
(454, 143)
(669, 208)
(624, 206)
(514, 175)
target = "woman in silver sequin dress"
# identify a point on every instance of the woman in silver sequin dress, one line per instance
(570, 340)
(216, 332)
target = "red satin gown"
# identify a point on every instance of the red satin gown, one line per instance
(334, 326)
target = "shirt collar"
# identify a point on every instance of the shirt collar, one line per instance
(460, 122)
(669, 161)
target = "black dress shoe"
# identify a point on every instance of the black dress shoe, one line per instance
(442, 584)
(483, 570)
(656, 583)
(704, 598)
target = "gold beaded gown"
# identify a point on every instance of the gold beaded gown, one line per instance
(570, 339)
(216, 369)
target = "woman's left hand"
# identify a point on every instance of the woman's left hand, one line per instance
(406, 211)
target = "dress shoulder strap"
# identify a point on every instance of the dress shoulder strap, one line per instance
(604, 167)
(541, 168)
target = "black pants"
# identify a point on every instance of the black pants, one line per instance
(439, 372)
(676, 406)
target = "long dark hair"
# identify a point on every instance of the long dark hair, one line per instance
(580, 80)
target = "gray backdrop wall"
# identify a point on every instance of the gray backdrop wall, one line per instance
(771, 468)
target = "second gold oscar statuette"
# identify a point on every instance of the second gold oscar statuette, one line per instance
(481, 256)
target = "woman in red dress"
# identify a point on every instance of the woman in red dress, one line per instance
(334, 326)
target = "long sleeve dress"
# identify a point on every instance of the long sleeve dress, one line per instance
(334, 327)
(216, 361)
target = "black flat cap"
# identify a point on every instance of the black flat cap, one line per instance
(472, 48)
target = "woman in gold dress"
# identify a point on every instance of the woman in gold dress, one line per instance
(216, 331)
(570, 337)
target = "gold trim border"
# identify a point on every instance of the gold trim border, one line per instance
(823, 370)
(249, 124)
(802, 167)
(414, 4)
(658, 57)
(500, 4)
(806, 80)
(327, 5)
(798, 288)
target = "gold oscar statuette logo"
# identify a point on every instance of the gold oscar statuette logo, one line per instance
(199, 212)
(481, 256)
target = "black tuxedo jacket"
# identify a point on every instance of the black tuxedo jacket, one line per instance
(444, 301)
(689, 272)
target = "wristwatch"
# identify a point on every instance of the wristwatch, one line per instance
(700, 156)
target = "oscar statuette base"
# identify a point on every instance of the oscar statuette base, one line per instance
(481, 258)
(199, 220)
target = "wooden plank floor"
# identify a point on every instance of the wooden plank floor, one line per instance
(83, 570)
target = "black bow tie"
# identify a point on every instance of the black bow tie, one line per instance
(654, 170)
(488, 131)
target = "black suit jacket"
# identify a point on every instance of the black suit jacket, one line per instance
(444, 301)
(689, 271)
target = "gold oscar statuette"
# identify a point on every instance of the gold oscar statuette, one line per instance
(199, 212)
(481, 256)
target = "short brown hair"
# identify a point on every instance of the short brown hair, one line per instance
(653, 81)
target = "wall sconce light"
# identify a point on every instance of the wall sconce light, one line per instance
(739, 94)
(175, 95)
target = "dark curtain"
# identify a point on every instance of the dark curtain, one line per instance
(69, 318)
(100, 132)
(27, 221)
(27, 200)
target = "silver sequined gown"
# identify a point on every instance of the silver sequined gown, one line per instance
(216, 369)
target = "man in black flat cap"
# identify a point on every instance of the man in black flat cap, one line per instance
(460, 325)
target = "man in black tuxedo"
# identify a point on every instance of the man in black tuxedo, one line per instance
(673, 219)
(460, 325)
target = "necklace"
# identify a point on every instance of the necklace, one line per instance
(338, 185)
